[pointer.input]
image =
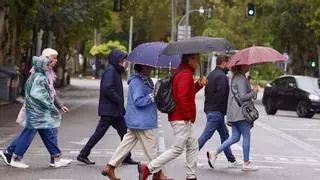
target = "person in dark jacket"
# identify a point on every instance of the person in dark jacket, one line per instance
(215, 107)
(111, 106)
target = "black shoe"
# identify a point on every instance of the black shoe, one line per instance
(6, 157)
(85, 160)
(130, 162)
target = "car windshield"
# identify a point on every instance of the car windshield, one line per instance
(307, 83)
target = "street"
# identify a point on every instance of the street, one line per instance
(283, 146)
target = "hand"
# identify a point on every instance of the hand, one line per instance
(203, 82)
(64, 109)
(256, 90)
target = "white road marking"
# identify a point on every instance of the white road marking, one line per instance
(317, 169)
(162, 144)
(312, 160)
(96, 152)
(270, 167)
(56, 179)
(269, 158)
(160, 125)
(294, 129)
(82, 142)
(311, 124)
(74, 152)
(312, 139)
(160, 131)
(303, 145)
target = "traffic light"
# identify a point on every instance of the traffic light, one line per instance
(312, 63)
(117, 5)
(251, 10)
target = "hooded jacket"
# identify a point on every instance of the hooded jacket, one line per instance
(111, 100)
(40, 111)
(141, 110)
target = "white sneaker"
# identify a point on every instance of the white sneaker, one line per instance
(249, 167)
(235, 164)
(60, 163)
(18, 164)
(212, 157)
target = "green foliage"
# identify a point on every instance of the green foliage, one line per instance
(105, 48)
(267, 72)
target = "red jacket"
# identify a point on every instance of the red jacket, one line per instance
(184, 93)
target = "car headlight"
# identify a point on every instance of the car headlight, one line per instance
(313, 97)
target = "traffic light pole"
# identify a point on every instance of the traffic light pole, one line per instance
(187, 19)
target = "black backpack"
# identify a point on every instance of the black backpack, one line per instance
(163, 96)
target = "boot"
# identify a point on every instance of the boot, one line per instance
(160, 176)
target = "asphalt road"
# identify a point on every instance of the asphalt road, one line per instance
(283, 146)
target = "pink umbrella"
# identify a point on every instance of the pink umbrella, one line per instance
(255, 55)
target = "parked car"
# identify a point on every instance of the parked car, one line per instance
(294, 93)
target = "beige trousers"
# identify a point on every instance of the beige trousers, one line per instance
(184, 139)
(147, 140)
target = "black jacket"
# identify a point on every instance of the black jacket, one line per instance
(111, 100)
(217, 92)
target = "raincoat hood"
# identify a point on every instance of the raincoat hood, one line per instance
(114, 57)
(40, 64)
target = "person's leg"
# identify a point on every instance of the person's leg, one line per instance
(23, 142)
(244, 127)
(120, 125)
(101, 129)
(224, 135)
(211, 125)
(49, 139)
(180, 130)
(212, 156)
(191, 153)
(148, 142)
(127, 144)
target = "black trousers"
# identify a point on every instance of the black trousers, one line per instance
(105, 122)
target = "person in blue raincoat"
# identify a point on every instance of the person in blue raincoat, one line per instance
(141, 120)
(40, 115)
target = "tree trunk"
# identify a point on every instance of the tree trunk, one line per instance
(2, 41)
(318, 53)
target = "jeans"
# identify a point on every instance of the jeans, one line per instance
(21, 144)
(239, 128)
(105, 122)
(215, 121)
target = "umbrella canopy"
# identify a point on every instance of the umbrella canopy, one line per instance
(255, 55)
(198, 44)
(150, 54)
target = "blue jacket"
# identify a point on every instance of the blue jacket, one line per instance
(141, 110)
(111, 100)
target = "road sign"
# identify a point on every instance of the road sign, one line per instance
(182, 31)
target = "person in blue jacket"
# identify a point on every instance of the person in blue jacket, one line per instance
(141, 119)
(111, 105)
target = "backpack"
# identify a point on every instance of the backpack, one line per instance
(163, 96)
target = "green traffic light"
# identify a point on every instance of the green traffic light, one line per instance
(251, 9)
(313, 64)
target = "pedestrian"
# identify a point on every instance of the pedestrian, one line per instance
(39, 114)
(141, 119)
(111, 105)
(215, 107)
(182, 120)
(240, 126)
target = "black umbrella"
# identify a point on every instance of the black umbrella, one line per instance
(199, 44)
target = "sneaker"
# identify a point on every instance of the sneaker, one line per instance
(249, 167)
(6, 157)
(212, 157)
(234, 164)
(18, 163)
(60, 163)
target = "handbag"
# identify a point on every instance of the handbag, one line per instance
(248, 109)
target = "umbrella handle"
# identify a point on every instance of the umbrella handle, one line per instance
(200, 71)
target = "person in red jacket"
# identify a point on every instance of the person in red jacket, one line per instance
(181, 120)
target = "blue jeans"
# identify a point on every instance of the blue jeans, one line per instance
(21, 144)
(239, 128)
(215, 121)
